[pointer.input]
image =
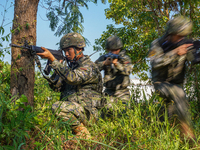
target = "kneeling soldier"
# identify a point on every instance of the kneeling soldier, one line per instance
(80, 84)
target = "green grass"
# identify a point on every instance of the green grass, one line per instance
(136, 127)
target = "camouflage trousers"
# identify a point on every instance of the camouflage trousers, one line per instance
(74, 112)
(175, 99)
(114, 96)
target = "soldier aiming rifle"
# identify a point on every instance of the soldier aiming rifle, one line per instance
(117, 68)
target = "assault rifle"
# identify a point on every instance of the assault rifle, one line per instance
(35, 49)
(112, 56)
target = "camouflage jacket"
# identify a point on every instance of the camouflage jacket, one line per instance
(82, 82)
(116, 77)
(167, 65)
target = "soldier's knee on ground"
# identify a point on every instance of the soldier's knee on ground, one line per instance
(69, 111)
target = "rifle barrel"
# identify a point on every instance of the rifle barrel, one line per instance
(14, 45)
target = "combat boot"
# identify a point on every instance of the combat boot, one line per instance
(188, 131)
(82, 132)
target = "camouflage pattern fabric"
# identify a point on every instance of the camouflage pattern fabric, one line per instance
(176, 100)
(74, 112)
(122, 94)
(81, 90)
(116, 78)
(168, 71)
(168, 66)
(180, 25)
(113, 43)
(72, 39)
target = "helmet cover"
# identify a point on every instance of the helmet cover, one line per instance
(72, 39)
(113, 43)
(180, 26)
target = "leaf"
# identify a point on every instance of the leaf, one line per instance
(140, 24)
(23, 98)
(27, 25)
(9, 147)
(18, 28)
(38, 144)
(19, 147)
(2, 30)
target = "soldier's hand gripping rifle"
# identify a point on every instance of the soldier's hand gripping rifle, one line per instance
(112, 56)
(194, 49)
(35, 49)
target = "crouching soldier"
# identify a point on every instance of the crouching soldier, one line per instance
(80, 84)
(117, 68)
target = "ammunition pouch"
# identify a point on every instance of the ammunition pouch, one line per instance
(119, 82)
(55, 82)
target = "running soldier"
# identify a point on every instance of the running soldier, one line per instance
(168, 55)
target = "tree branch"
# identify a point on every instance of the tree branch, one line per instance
(159, 7)
(155, 15)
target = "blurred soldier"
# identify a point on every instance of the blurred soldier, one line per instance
(80, 84)
(117, 68)
(168, 55)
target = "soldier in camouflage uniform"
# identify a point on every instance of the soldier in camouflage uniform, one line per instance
(116, 71)
(168, 55)
(80, 84)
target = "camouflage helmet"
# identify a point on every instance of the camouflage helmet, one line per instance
(180, 26)
(72, 39)
(113, 43)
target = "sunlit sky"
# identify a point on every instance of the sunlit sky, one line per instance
(95, 23)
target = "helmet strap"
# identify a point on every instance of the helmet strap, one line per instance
(76, 54)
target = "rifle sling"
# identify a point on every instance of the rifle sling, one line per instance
(39, 66)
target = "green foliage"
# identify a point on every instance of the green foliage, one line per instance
(20, 124)
(137, 127)
(15, 123)
(4, 36)
(141, 22)
(192, 86)
(65, 16)
(52, 128)
(27, 25)
(5, 80)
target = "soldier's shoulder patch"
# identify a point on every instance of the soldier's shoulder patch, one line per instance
(126, 62)
(83, 68)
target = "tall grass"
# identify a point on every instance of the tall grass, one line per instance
(126, 128)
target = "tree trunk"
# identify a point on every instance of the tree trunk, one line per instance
(22, 62)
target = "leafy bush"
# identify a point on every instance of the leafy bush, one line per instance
(14, 122)
(136, 127)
